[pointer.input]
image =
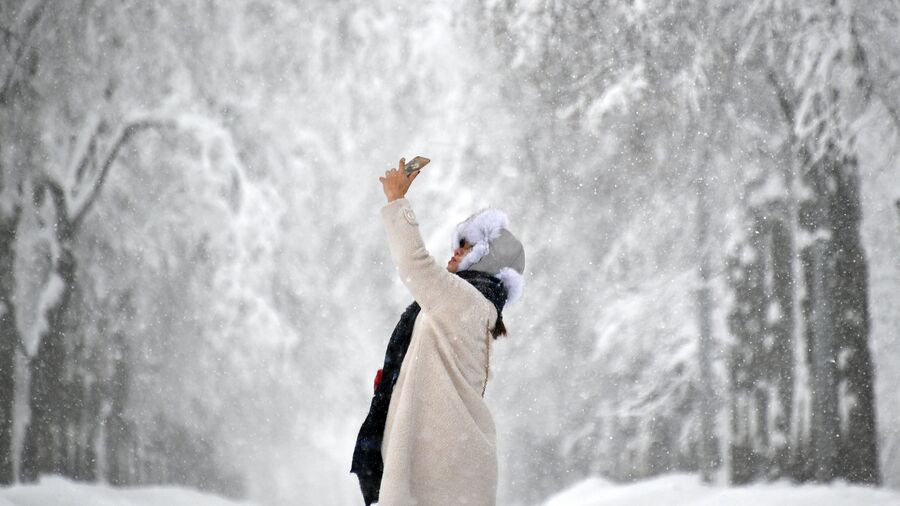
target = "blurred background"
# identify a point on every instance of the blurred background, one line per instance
(195, 286)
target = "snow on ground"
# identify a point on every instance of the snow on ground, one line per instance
(673, 490)
(687, 490)
(55, 491)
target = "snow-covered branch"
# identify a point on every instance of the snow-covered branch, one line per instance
(785, 102)
(32, 15)
(80, 208)
(58, 195)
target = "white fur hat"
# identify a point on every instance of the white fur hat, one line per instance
(494, 250)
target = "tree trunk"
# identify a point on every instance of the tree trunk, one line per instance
(65, 400)
(46, 438)
(792, 291)
(857, 446)
(825, 422)
(843, 408)
(9, 339)
(119, 437)
(762, 359)
(781, 360)
(707, 444)
(816, 218)
(746, 324)
(83, 417)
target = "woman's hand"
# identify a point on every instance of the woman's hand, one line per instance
(395, 182)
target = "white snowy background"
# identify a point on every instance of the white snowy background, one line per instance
(230, 261)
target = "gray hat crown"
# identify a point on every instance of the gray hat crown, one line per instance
(504, 251)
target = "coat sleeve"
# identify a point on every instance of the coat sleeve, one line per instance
(430, 284)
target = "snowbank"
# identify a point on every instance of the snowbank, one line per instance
(687, 490)
(55, 491)
(673, 490)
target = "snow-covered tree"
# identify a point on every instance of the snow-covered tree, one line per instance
(17, 103)
(834, 416)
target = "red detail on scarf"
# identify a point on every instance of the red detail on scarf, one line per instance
(378, 378)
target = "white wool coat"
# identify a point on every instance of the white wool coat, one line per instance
(439, 445)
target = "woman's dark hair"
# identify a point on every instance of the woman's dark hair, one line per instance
(499, 328)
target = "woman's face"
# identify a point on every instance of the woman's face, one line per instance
(458, 254)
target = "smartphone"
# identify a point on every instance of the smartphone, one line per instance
(417, 163)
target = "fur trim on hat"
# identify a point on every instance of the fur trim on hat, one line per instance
(479, 230)
(513, 282)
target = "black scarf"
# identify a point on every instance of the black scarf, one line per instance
(367, 462)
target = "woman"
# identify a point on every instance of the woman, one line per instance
(429, 438)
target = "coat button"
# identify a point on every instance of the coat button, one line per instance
(410, 216)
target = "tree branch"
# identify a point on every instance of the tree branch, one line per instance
(892, 111)
(125, 134)
(31, 23)
(10, 33)
(784, 100)
(59, 202)
(897, 204)
(861, 59)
